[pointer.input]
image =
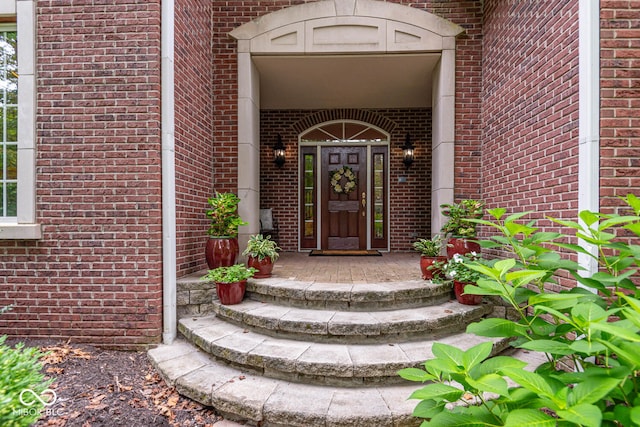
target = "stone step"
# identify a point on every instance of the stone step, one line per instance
(256, 400)
(349, 296)
(194, 295)
(312, 362)
(352, 327)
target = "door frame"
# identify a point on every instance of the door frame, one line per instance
(369, 144)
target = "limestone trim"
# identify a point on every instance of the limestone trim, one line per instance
(339, 26)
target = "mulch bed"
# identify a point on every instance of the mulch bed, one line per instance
(97, 387)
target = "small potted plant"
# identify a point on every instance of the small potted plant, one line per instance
(459, 228)
(429, 250)
(222, 247)
(457, 269)
(231, 282)
(262, 253)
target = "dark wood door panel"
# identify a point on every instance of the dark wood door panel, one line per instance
(343, 215)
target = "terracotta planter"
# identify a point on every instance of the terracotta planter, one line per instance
(457, 245)
(426, 262)
(264, 267)
(231, 293)
(467, 299)
(221, 252)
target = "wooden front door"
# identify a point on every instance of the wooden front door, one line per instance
(344, 202)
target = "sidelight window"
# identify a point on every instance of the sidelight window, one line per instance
(8, 124)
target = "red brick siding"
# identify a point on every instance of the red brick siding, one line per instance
(194, 136)
(620, 101)
(410, 203)
(96, 275)
(530, 107)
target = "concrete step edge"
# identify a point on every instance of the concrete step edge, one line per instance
(271, 402)
(339, 326)
(355, 364)
(354, 296)
(349, 296)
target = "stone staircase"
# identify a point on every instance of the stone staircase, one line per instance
(298, 353)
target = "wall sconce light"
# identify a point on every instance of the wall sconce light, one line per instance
(278, 152)
(407, 152)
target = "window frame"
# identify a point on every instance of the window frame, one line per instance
(24, 226)
(4, 180)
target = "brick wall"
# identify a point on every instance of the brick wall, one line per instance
(530, 109)
(620, 101)
(96, 274)
(194, 136)
(410, 201)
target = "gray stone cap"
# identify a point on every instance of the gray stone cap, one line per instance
(340, 326)
(350, 295)
(345, 295)
(298, 359)
(269, 401)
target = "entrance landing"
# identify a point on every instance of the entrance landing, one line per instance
(390, 267)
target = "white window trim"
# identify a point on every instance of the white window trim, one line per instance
(25, 225)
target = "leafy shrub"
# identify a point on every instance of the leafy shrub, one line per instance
(589, 333)
(262, 247)
(429, 247)
(458, 215)
(231, 274)
(224, 215)
(20, 370)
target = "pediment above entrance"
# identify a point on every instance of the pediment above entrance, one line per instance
(346, 26)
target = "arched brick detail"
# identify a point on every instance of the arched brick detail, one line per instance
(344, 114)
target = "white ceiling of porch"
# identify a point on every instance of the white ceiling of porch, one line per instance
(355, 81)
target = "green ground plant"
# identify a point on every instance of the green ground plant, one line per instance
(20, 370)
(589, 333)
(232, 274)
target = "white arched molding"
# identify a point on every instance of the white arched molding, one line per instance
(344, 27)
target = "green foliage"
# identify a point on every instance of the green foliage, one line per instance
(429, 247)
(589, 334)
(20, 370)
(459, 268)
(232, 274)
(224, 215)
(261, 247)
(459, 214)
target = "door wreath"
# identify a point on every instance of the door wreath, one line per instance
(338, 175)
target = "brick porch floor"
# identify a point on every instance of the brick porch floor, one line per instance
(390, 267)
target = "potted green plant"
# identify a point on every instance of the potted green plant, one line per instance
(458, 228)
(457, 270)
(262, 253)
(222, 247)
(231, 282)
(429, 250)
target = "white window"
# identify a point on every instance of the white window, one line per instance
(8, 125)
(17, 127)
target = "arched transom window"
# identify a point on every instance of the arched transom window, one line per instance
(344, 132)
